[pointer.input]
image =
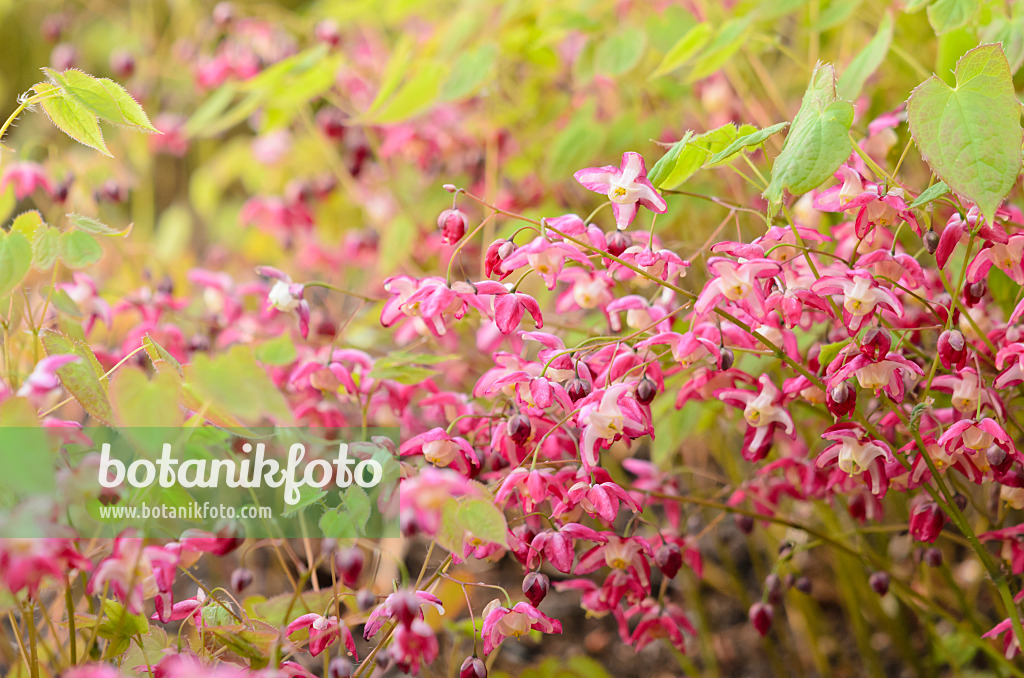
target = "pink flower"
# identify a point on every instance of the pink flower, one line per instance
(659, 621)
(738, 283)
(404, 606)
(149, 570)
(1011, 647)
(286, 296)
(764, 413)
(26, 178)
(599, 500)
(413, 645)
(322, 632)
(441, 449)
(509, 306)
(862, 296)
(547, 259)
(502, 622)
(976, 437)
(44, 376)
(888, 374)
(24, 563)
(625, 186)
(855, 455)
(873, 207)
(605, 416)
(1004, 256)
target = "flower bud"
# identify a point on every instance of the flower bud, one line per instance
(122, 63)
(841, 399)
(241, 578)
(879, 582)
(727, 358)
(952, 350)
(926, 521)
(669, 559)
(452, 224)
(931, 241)
(451, 188)
(519, 427)
(223, 14)
(327, 32)
(998, 459)
(63, 57)
(618, 242)
(350, 563)
(761, 616)
(645, 391)
(744, 523)
(973, 292)
(932, 557)
(803, 585)
(876, 344)
(578, 388)
(365, 599)
(960, 501)
(340, 667)
(773, 589)
(473, 667)
(331, 123)
(535, 587)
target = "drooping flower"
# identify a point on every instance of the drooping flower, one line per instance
(285, 296)
(764, 413)
(322, 632)
(855, 454)
(503, 622)
(625, 185)
(862, 296)
(605, 416)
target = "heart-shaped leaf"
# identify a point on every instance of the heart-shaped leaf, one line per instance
(970, 135)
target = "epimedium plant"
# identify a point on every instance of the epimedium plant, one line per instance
(861, 354)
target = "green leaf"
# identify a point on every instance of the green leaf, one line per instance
(336, 524)
(72, 118)
(727, 41)
(102, 97)
(94, 227)
(82, 377)
(685, 49)
(745, 141)
(26, 223)
(413, 98)
(163, 361)
(236, 383)
(357, 506)
(471, 70)
(45, 243)
(866, 62)
(485, 521)
(137, 401)
(663, 167)
(1010, 32)
(24, 450)
(78, 250)
(949, 15)
(15, 261)
(936, 190)
(278, 351)
(835, 13)
(694, 151)
(620, 52)
(817, 143)
(970, 135)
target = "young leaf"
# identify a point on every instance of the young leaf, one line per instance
(684, 50)
(866, 62)
(620, 52)
(817, 143)
(78, 250)
(970, 135)
(694, 151)
(94, 227)
(72, 118)
(102, 97)
(45, 243)
(727, 41)
(745, 141)
(80, 378)
(15, 260)
(664, 166)
(949, 15)
(936, 190)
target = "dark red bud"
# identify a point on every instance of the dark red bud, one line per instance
(952, 349)
(350, 563)
(618, 242)
(578, 388)
(365, 599)
(452, 224)
(876, 343)
(535, 587)
(728, 358)
(113, 191)
(53, 26)
(327, 32)
(669, 559)
(241, 578)
(645, 391)
(879, 582)
(745, 523)
(932, 557)
(473, 667)
(841, 399)
(998, 459)
(931, 241)
(803, 585)
(63, 57)
(122, 63)
(519, 428)
(960, 501)
(773, 589)
(340, 667)
(331, 123)
(761, 616)
(973, 292)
